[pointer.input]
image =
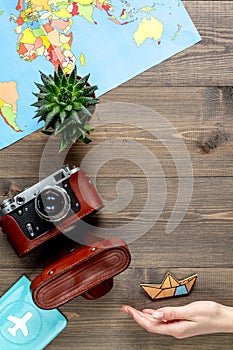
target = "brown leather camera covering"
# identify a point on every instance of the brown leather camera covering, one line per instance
(100, 290)
(81, 186)
(86, 271)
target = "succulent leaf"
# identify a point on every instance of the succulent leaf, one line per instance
(74, 136)
(41, 87)
(46, 108)
(77, 94)
(89, 90)
(68, 108)
(60, 72)
(64, 81)
(63, 116)
(40, 95)
(39, 103)
(46, 79)
(54, 89)
(57, 80)
(86, 112)
(42, 118)
(47, 132)
(88, 101)
(72, 76)
(51, 117)
(70, 88)
(77, 106)
(82, 82)
(66, 104)
(64, 143)
(75, 117)
(62, 127)
(85, 139)
(44, 96)
(81, 132)
(88, 128)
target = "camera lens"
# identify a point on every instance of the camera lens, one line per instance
(52, 203)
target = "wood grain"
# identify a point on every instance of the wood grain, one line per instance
(208, 63)
(192, 91)
(202, 118)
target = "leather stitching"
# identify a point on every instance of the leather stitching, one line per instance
(82, 290)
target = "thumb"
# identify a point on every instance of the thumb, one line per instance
(171, 313)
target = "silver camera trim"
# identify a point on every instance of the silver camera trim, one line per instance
(32, 192)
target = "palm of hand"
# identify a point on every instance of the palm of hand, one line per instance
(197, 318)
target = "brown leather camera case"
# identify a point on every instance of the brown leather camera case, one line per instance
(86, 271)
(89, 201)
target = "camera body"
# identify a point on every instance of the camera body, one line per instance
(48, 208)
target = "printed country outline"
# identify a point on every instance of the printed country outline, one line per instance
(8, 107)
(54, 46)
(53, 39)
(148, 29)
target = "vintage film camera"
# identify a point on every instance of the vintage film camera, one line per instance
(48, 208)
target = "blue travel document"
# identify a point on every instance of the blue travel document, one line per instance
(23, 325)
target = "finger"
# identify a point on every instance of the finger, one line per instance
(148, 311)
(139, 317)
(155, 326)
(172, 313)
(124, 308)
(127, 309)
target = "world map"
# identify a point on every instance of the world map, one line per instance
(114, 40)
(44, 27)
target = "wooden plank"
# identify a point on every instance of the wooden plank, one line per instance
(95, 323)
(126, 334)
(123, 332)
(203, 205)
(192, 244)
(192, 90)
(208, 63)
(202, 117)
(203, 238)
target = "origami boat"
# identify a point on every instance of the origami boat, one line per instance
(170, 287)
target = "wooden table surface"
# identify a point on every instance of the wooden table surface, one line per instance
(193, 91)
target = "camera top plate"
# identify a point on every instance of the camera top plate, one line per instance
(8, 205)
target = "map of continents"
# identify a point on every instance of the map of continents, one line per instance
(44, 27)
(8, 99)
(102, 37)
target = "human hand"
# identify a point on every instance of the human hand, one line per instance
(200, 317)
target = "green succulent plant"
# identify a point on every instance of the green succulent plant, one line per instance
(66, 103)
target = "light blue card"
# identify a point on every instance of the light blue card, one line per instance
(23, 325)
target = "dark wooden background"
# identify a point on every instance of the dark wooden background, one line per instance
(193, 90)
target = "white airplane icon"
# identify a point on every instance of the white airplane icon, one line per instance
(20, 323)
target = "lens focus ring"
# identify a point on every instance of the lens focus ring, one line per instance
(52, 203)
